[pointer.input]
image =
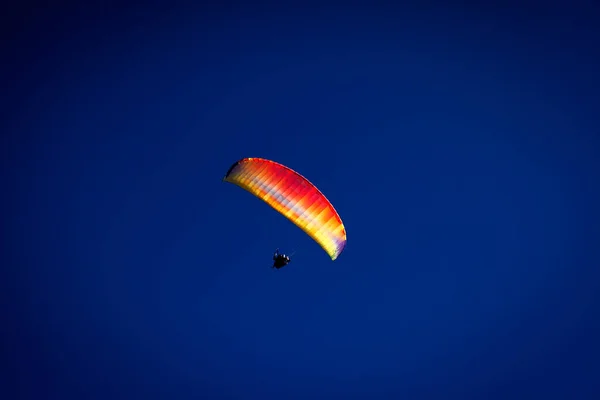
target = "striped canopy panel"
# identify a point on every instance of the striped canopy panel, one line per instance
(295, 197)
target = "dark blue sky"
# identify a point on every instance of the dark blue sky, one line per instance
(460, 146)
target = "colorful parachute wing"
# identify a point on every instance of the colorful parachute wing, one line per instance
(295, 197)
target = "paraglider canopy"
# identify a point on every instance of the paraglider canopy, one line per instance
(295, 197)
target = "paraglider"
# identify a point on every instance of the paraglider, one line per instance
(293, 196)
(280, 260)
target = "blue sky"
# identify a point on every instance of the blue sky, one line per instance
(459, 145)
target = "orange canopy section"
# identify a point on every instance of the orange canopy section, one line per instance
(295, 197)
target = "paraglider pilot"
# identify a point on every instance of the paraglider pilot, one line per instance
(280, 260)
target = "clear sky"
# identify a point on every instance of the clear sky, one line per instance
(460, 146)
